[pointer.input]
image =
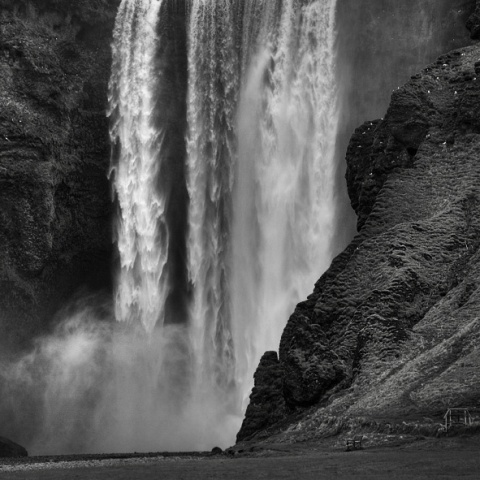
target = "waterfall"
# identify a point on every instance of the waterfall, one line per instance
(284, 195)
(262, 127)
(142, 234)
(213, 86)
(260, 134)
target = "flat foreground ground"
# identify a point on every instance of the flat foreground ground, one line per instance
(421, 460)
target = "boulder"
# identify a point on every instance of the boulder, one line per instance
(11, 449)
(267, 405)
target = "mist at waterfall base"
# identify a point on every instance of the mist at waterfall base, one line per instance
(101, 386)
(229, 126)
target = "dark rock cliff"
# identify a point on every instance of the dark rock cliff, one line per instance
(392, 328)
(54, 156)
(267, 405)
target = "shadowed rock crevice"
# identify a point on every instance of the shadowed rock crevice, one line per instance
(473, 23)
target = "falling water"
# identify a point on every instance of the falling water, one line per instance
(284, 200)
(142, 235)
(261, 128)
(213, 85)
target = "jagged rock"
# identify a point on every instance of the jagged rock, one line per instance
(11, 449)
(309, 367)
(414, 180)
(267, 405)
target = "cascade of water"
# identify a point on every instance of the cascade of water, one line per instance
(259, 176)
(142, 233)
(284, 205)
(213, 87)
(260, 162)
(187, 362)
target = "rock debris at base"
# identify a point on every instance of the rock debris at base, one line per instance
(107, 462)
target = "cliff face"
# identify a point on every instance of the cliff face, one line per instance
(54, 156)
(392, 329)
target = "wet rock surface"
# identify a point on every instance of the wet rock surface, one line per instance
(55, 202)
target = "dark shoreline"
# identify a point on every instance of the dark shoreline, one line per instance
(85, 457)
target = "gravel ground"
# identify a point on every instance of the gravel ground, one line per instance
(39, 464)
(429, 459)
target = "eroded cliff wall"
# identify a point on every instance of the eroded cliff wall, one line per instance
(55, 202)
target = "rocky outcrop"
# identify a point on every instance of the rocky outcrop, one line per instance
(391, 328)
(11, 449)
(54, 156)
(267, 405)
(414, 181)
